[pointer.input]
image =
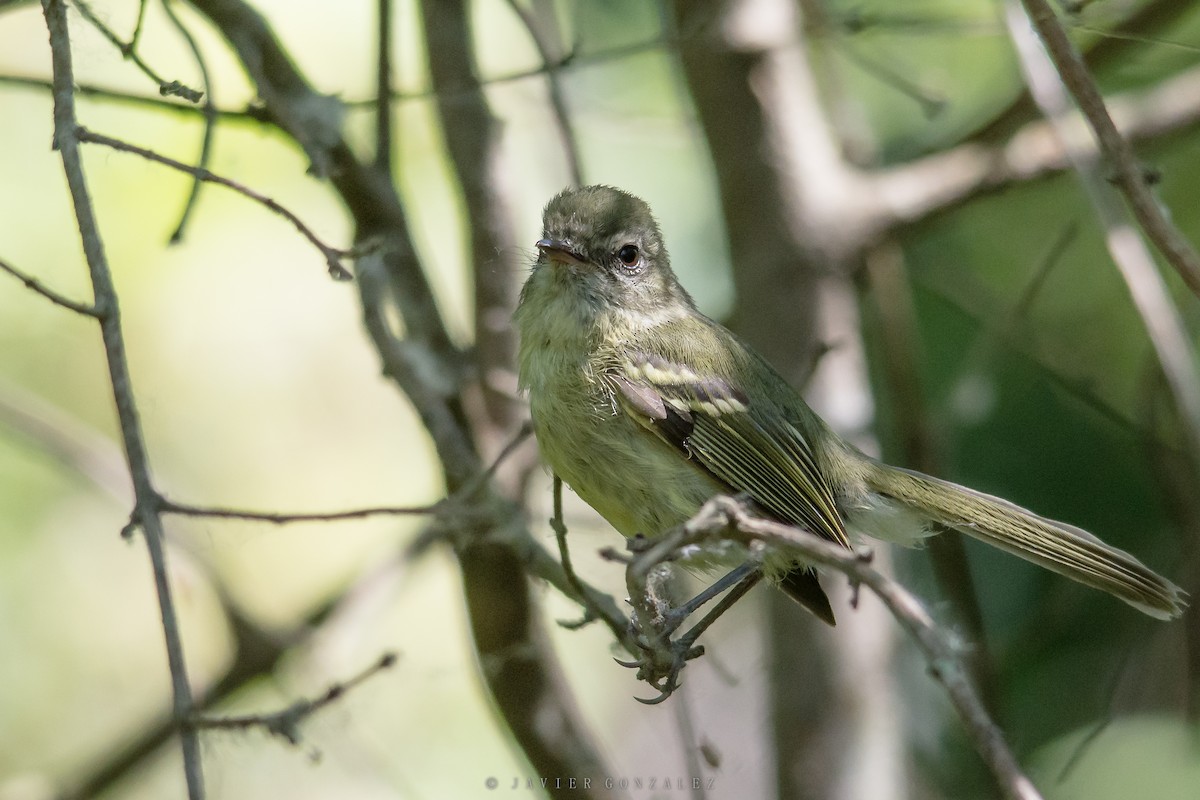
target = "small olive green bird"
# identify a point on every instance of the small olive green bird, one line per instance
(647, 408)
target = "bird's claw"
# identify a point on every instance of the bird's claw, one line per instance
(660, 662)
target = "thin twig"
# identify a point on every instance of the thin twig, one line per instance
(459, 499)
(51, 295)
(333, 256)
(257, 650)
(136, 37)
(286, 722)
(1147, 289)
(884, 68)
(898, 341)
(146, 497)
(553, 62)
(210, 118)
(1129, 176)
(129, 51)
(285, 518)
(383, 90)
(567, 60)
(132, 98)
(595, 605)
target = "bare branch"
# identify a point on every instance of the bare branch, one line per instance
(458, 503)
(898, 318)
(333, 256)
(1147, 289)
(521, 670)
(146, 497)
(129, 51)
(552, 61)
(596, 606)
(473, 140)
(286, 722)
(136, 37)
(284, 518)
(208, 109)
(1129, 176)
(51, 295)
(383, 91)
(941, 181)
(132, 98)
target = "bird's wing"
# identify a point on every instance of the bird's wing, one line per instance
(752, 450)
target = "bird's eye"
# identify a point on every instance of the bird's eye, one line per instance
(629, 255)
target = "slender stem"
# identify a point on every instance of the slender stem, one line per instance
(1129, 176)
(48, 293)
(286, 722)
(595, 604)
(333, 256)
(146, 497)
(383, 92)
(129, 51)
(553, 61)
(1126, 246)
(209, 109)
(725, 519)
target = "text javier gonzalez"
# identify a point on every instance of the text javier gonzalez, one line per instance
(619, 784)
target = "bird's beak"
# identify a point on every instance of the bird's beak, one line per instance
(560, 251)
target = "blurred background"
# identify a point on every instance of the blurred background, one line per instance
(864, 189)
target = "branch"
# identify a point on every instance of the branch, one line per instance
(934, 184)
(473, 140)
(333, 256)
(129, 51)
(553, 62)
(132, 98)
(284, 518)
(51, 295)
(902, 375)
(793, 207)
(1147, 289)
(724, 520)
(1117, 46)
(209, 111)
(1130, 177)
(285, 723)
(521, 670)
(146, 496)
(457, 503)
(383, 91)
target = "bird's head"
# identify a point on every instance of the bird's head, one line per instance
(602, 251)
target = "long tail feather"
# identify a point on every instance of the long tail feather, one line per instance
(1063, 548)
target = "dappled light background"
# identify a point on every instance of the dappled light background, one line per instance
(259, 389)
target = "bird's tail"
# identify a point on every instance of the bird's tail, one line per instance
(1063, 548)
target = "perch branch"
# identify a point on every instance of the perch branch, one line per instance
(333, 256)
(724, 519)
(129, 50)
(285, 723)
(37, 286)
(1129, 175)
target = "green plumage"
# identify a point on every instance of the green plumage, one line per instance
(647, 408)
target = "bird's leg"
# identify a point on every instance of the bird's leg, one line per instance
(748, 574)
(663, 658)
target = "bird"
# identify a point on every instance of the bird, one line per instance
(647, 408)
